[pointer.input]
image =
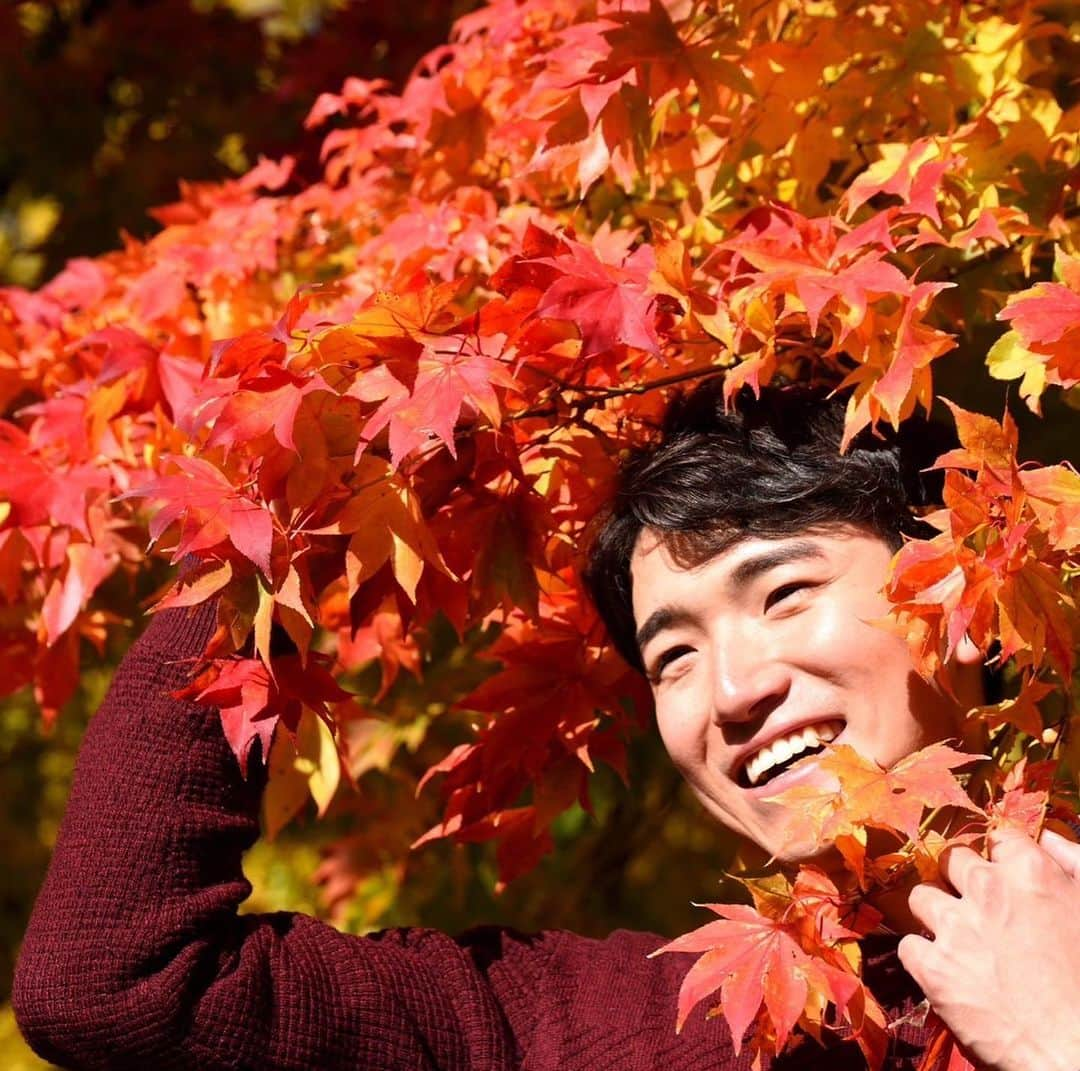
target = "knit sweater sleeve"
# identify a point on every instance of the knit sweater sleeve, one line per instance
(136, 957)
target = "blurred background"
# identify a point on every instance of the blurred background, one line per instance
(107, 103)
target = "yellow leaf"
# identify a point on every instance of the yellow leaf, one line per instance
(408, 565)
(306, 766)
(264, 620)
(197, 587)
(1009, 359)
(286, 788)
(37, 218)
(317, 755)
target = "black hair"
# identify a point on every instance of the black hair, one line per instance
(769, 467)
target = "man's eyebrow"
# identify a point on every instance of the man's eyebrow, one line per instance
(664, 618)
(742, 575)
(751, 568)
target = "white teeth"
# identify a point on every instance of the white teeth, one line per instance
(794, 743)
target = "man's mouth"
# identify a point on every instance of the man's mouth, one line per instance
(784, 751)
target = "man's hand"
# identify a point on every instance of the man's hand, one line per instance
(1002, 963)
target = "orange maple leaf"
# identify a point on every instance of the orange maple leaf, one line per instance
(848, 792)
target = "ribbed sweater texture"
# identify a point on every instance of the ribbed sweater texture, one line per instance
(136, 957)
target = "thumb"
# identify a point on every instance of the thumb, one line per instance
(1062, 851)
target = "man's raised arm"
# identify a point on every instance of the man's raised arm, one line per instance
(136, 956)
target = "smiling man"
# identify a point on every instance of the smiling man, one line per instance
(740, 568)
(767, 652)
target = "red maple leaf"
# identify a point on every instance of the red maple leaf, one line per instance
(253, 700)
(210, 511)
(266, 402)
(454, 374)
(761, 968)
(1045, 315)
(611, 305)
(942, 1052)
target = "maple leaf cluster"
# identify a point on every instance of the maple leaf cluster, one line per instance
(365, 407)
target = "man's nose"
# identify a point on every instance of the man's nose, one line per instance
(749, 680)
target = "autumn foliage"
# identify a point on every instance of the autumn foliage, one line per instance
(388, 402)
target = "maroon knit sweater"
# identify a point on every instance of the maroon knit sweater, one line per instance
(136, 956)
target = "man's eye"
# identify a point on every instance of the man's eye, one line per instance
(785, 591)
(673, 654)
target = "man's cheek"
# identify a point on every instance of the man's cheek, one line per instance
(687, 760)
(681, 735)
(681, 761)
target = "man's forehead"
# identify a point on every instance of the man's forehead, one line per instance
(693, 553)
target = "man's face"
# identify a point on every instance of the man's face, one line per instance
(766, 651)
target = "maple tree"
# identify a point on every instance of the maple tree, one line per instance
(371, 406)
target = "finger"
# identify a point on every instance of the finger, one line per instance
(1010, 845)
(1064, 852)
(914, 952)
(957, 864)
(931, 904)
